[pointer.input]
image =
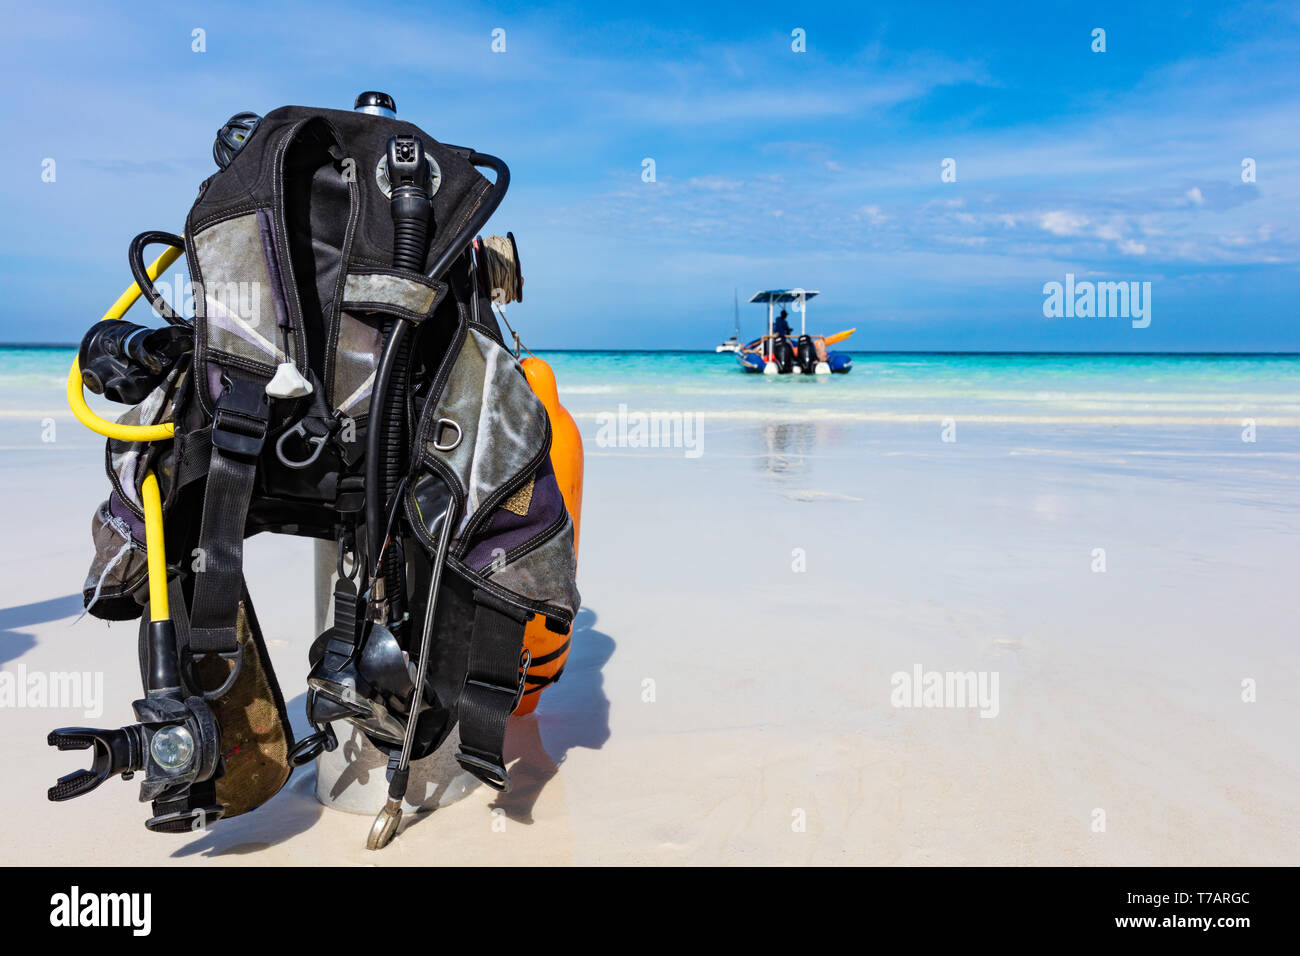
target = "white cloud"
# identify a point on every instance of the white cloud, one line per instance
(716, 183)
(872, 214)
(1061, 223)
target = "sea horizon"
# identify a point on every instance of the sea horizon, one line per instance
(1206, 391)
(851, 351)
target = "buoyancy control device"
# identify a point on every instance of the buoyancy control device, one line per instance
(343, 378)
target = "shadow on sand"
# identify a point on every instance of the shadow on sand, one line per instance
(290, 812)
(574, 712)
(13, 643)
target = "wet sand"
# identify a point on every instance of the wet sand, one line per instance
(731, 696)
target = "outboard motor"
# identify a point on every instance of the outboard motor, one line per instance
(783, 355)
(807, 354)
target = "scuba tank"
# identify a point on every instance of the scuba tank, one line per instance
(343, 378)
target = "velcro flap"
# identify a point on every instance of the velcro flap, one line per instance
(410, 295)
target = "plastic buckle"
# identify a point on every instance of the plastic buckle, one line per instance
(493, 775)
(351, 495)
(239, 422)
(187, 820)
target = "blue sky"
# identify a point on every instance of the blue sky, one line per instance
(773, 168)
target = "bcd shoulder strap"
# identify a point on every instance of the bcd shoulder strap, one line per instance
(238, 432)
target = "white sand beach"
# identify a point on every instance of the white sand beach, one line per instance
(721, 706)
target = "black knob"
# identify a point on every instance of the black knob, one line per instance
(375, 102)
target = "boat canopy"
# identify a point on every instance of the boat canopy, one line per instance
(783, 295)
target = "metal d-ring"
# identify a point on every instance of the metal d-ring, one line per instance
(439, 425)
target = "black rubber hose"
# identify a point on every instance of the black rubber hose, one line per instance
(410, 233)
(396, 338)
(481, 216)
(135, 257)
(411, 213)
(375, 504)
(395, 454)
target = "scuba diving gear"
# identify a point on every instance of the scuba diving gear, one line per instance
(336, 678)
(125, 362)
(548, 651)
(503, 280)
(376, 104)
(232, 136)
(411, 209)
(177, 740)
(346, 381)
(386, 822)
(135, 257)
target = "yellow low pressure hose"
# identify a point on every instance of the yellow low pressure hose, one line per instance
(77, 399)
(149, 495)
(155, 551)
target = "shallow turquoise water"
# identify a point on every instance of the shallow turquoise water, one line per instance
(1047, 388)
(903, 385)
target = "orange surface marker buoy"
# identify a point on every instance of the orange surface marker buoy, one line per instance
(548, 649)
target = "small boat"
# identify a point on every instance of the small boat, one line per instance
(732, 344)
(777, 354)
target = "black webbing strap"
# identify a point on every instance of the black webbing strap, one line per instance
(238, 432)
(493, 686)
(341, 641)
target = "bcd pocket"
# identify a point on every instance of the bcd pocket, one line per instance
(119, 570)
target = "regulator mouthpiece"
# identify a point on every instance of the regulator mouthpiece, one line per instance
(124, 362)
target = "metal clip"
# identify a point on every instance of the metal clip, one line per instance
(316, 441)
(525, 661)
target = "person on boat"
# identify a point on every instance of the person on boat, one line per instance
(781, 326)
